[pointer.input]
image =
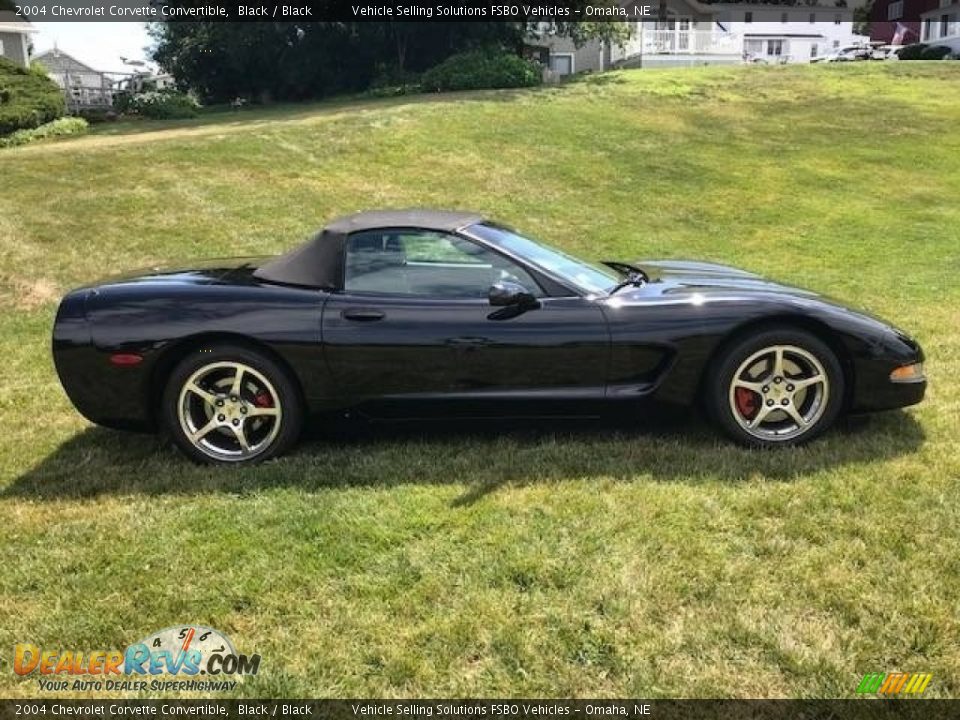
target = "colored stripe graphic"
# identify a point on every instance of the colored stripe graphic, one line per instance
(870, 683)
(894, 683)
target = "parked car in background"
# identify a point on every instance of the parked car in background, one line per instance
(850, 53)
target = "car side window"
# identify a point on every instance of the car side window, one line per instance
(428, 264)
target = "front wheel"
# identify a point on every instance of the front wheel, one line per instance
(231, 405)
(778, 387)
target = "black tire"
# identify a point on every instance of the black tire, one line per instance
(278, 395)
(724, 405)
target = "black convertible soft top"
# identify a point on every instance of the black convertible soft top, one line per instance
(319, 262)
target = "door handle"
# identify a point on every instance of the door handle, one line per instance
(363, 314)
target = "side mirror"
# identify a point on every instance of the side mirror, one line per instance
(510, 294)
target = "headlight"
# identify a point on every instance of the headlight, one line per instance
(907, 373)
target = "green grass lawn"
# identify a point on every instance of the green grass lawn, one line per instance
(555, 562)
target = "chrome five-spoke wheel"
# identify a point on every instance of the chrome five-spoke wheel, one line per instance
(777, 387)
(231, 405)
(229, 411)
(778, 392)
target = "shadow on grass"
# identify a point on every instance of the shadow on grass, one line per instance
(482, 457)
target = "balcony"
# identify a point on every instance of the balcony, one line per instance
(683, 42)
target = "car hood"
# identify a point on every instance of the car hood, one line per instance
(695, 283)
(685, 277)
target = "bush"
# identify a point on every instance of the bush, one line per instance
(97, 115)
(123, 101)
(57, 128)
(27, 98)
(391, 82)
(935, 52)
(479, 69)
(164, 105)
(911, 52)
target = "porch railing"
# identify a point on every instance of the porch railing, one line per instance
(684, 42)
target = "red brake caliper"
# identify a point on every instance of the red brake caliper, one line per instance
(746, 402)
(263, 400)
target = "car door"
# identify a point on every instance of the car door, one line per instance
(413, 332)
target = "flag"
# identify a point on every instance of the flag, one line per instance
(900, 34)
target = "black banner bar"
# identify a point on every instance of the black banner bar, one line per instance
(40, 11)
(861, 709)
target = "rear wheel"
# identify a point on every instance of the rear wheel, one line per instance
(778, 387)
(231, 405)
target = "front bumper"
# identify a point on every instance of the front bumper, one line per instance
(873, 388)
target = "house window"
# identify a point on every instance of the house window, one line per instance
(561, 64)
(944, 25)
(748, 17)
(813, 18)
(836, 44)
(775, 47)
(926, 28)
(813, 51)
(895, 10)
(783, 17)
(836, 19)
(946, 3)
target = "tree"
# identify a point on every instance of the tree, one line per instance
(266, 61)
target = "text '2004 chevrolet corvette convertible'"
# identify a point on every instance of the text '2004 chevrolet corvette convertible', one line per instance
(414, 313)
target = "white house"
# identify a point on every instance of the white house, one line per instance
(941, 26)
(695, 33)
(82, 86)
(14, 40)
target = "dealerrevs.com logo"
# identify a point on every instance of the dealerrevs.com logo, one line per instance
(171, 659)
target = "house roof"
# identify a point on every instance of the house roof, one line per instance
(16, 26)
(61, 57)
(319, 261)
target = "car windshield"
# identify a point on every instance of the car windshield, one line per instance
(586, 276)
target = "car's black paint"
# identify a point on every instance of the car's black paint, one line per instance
(565, 354)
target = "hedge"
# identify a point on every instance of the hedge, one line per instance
(912, 52)
(57, 128)
(164, 105)
(480, 69)
(935, 52)
(28, 98)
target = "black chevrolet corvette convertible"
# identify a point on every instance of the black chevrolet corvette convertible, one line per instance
(418, 314)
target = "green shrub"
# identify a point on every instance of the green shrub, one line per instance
(97, 115)
(911, 52)
(935, 52)
(164, 105)
(391, 82)
(123, 101)
(479, 69)
(57, 128)
(27, 98)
